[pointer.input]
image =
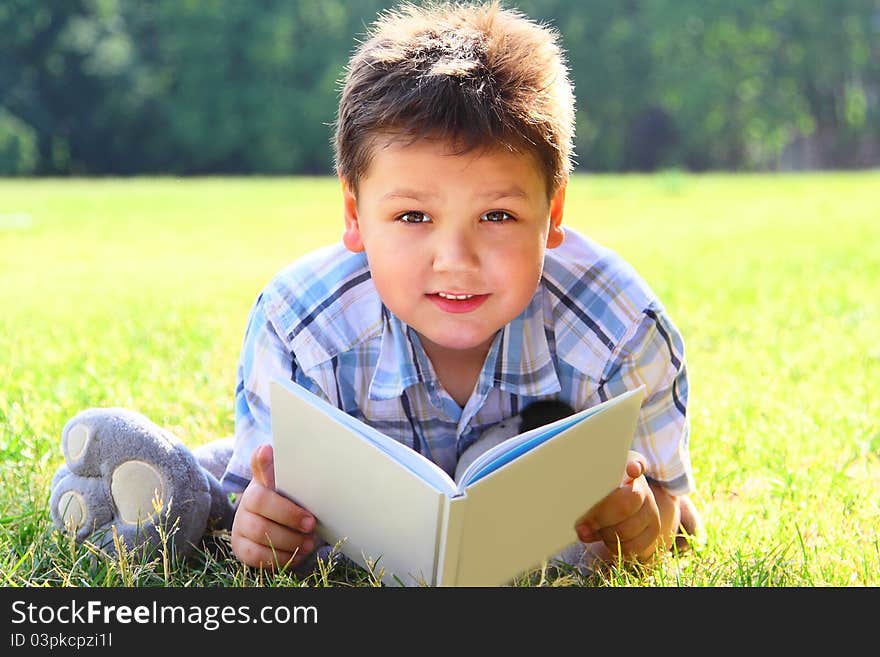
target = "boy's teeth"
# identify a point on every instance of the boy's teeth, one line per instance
(458, 297)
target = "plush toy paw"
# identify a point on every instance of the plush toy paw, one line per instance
(123, 471)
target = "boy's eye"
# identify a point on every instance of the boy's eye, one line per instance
(413, 217)
(497, 216)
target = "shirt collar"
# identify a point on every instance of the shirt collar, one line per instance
(402, 362)
(519, 361)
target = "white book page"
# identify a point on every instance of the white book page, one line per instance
(504, 452)
(525, 511)
(416, 463)
(383, 515)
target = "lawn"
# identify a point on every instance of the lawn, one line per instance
(135, 293)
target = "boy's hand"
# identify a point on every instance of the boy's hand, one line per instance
(629, 514)
(269, 530)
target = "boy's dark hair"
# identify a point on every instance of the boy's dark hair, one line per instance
(477, 75)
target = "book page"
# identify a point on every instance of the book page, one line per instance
(378, 508)
(524, 511)
(416, 463)
(504, 452)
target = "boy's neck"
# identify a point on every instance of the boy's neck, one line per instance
(457, 369)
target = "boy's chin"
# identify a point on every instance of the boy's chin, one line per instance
(457, 341)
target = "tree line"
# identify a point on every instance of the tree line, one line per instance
(100, 87)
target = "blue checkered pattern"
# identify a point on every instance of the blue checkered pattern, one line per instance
(593, 330)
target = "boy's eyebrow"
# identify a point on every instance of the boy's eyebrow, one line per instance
(419, 195)
(507, 192)
(416, 194)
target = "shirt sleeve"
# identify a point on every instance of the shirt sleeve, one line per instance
(264, 357)
(652, 354)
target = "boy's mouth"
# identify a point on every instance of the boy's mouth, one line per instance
(453, 302)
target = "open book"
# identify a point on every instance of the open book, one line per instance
(399, 513)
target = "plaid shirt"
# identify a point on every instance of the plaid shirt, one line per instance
(592, 330)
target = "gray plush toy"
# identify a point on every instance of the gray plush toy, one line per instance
(127, 476)
(123, 471)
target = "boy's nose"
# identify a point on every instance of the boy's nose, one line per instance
(455, 251)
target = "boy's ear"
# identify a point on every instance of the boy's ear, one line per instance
(556, 234)
(352, 235)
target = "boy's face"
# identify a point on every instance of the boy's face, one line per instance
(455, 243)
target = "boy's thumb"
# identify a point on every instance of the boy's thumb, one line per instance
(636, 466)
(263, 466)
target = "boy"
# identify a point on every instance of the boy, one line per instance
(456, 297)
(455, 300)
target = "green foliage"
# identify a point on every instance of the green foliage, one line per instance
(136, 292)
(125, 86)
(723, 85)
(241, 88)
(18, 146)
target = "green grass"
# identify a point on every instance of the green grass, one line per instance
(135, 293)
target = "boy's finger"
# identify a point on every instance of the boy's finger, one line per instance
(268, 504)
(263, 466)
(259, 556)
(636, 466)
(275, 535)
(585, 534)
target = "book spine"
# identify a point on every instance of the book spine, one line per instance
(449, 540)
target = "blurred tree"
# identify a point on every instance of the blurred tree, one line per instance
(650, 140)
(611, 67)
(743, 80)
(831, 56)
(245, 86)
(18, 146)
(64, 72)
(228, 86)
